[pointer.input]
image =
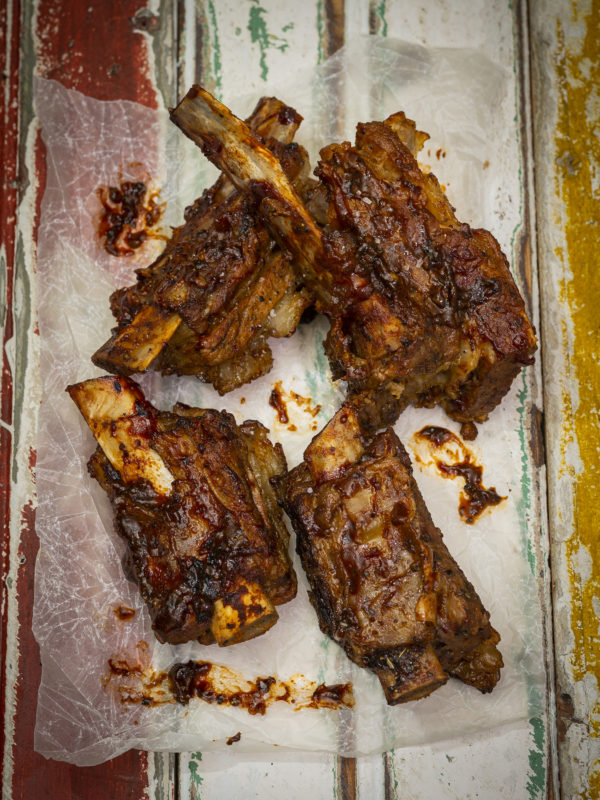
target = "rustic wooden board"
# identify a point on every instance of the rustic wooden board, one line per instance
(566, 71)
(150, 54)
(498, 31)
(93, 47)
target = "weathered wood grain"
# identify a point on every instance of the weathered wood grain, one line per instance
(566, 76)
(124, 50)
(96, 48)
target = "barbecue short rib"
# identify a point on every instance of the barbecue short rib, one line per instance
(191, 495)
(383, 584)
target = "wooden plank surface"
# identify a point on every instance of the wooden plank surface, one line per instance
(96, 48)
(459, 770)
(566, 62)
(126, 50)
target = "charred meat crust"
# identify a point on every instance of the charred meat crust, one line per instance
(383, 583)
(422, 307)
(210, 553)
(431, 305)
(222, 283)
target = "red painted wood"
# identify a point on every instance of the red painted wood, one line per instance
(94, 47)
(9, 50)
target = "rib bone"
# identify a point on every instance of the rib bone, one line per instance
(231, 146)
(111, 407)
(143, 341)
(192, 498)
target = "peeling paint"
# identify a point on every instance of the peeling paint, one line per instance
(377, 17)
(577, 156)
(320, 31)
(215, 49)
(196, 779)
(259, 33)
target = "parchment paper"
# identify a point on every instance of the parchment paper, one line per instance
(459, 97)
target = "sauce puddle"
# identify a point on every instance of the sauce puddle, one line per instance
(128, 217)
(214, 683)
(453, 459)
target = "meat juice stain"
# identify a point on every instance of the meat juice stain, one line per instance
(216, 685)
(475, 498)
(129, 212)
(277, 402)
(124, 613)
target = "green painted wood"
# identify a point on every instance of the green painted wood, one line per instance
(497, 29)
(236, 49)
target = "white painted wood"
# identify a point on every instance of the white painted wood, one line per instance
(229, 774)
(495, 766)
(555, 28)
(490, 767)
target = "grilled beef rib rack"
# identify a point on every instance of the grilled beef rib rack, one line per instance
(423, 309)
(192, 498)
(222, 286)
(383, 584)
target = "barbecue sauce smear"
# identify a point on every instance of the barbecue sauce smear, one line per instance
(213, 683)
(279, 399)
(475, 498)
(129, 213)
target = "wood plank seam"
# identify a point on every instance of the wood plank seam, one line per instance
(528, 263)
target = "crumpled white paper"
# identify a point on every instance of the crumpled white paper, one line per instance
(459, 97)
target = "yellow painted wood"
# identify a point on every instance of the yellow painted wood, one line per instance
(577, 147)
(565, 37)
(578, 154)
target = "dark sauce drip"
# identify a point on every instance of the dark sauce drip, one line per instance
(124, 613)
(135, 684)
(128, 214)
(332, 696)
(354, 562)
(437, 436)
(468, 431)
(193, 679)
(475, 497)
(277, 402)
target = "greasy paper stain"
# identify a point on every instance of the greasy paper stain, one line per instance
(135, 682)
(577, 149)
(453, 459)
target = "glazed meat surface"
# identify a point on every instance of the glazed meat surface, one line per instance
(222, 286)
(423, 309)
(383, 584)
(192, 499)
(431, 313)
